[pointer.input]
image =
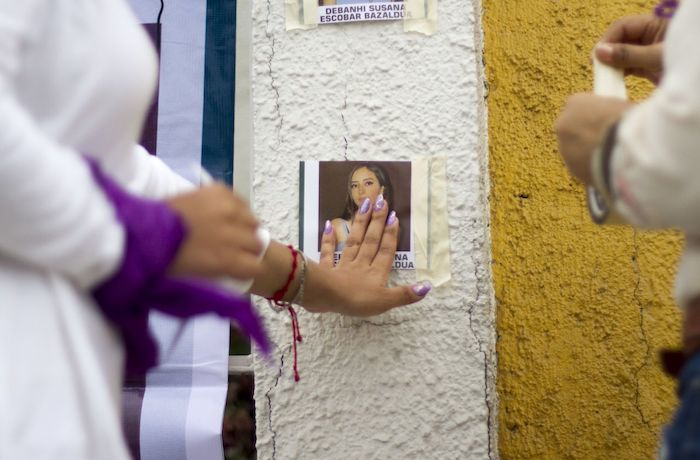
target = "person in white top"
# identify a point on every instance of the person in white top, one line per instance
(650, 160)
(76, 78)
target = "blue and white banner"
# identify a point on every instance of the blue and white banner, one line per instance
(201, 113)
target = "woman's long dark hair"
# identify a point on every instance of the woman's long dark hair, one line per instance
(384, 181)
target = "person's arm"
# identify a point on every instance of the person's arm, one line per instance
(148, 176)
(357, 286)
(56, 217)
(52, 214)
(655, 164)
(582, 126)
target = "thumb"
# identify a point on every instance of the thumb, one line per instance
(408, 294)
(624, 56)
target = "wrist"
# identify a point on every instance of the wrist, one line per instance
(319, 290)
(287, 272)
(297, 275)
(600, 196)
(600, 162)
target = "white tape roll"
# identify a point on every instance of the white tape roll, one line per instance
(608, 82)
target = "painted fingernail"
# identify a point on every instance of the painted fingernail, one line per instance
(604, 52)
(392, 218)
(365, 206)
(328, 228)
(422, 288)
(380, 203)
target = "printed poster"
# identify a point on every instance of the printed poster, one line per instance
(333, 191)
(335, 11)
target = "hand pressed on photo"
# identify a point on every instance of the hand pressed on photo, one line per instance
(364, 181)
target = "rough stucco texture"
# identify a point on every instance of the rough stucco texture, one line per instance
(416, 382)
(581, 310)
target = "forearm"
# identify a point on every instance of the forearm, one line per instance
(655, 163)
(147, 176)
(52, 213)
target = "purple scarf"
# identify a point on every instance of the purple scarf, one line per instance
(154, 234)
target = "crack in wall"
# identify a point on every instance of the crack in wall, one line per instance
(273, 433)
(486, 355)
(487, 87)
(488, 350)
(342, 117)
(345, 141)
(348, 75)
(361, 323)
(273, 82)
(345, 125)
(647, 351)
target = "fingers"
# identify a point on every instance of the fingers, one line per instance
(357, 232)
(623, 56)
(200, 259)
(327, 246)
(374, 233)
(241, 238)
(384, 258)
(242, 266)
(221, 234)
(629, 29)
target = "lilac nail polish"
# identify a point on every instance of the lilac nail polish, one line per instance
(365, 206)
(328, 228)
(422, 289)
(380, 203)
(392, 218)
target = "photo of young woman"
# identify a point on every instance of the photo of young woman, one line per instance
(343, 186)
(365, 182)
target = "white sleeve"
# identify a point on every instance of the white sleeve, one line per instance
(655, 167)
(52, 214)
(146, 175)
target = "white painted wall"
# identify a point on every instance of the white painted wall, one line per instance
(415, 383)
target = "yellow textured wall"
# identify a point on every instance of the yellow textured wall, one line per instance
(581, 310)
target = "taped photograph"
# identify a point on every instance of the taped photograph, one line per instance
(333, 190)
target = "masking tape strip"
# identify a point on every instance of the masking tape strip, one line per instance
(243, 119)
(310, 12)
(295, 11)
(607, 82)
(419, 210)
(420, 16)
(430, 227)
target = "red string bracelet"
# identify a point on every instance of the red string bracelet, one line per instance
(296, 337)
(278, 305)
(277, 297)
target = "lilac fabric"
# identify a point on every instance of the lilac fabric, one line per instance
(154, 234)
